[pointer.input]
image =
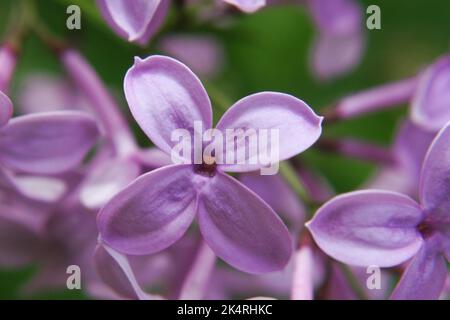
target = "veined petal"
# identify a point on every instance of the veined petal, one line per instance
(371, 227)
(164, 95)
(248, 6)
(240, 228)
(430, 104)
(288, 123)
(151, 213)
(47, 143)
(425, 276)
(132, 19)
(435, 178)
(6, 109)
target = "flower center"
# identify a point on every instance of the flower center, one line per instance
(207, 168)
(425, 229)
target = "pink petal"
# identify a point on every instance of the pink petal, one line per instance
(425, 276)
(240, 228)
(134, 20)
(164, 95)
(370, 227)
(430, 104)
(151, 213)
(297, 125)
(47, 142)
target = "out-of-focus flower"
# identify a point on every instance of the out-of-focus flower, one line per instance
(203, 54)
(409, 149)
(340, 42)
(385, 228)
(156, 209)
(430, 104)
(44, 92)
(47, 143)
(8, 61)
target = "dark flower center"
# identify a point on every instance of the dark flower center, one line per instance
(425, 229)
(207, 168)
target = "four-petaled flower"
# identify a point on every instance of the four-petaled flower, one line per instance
(156, 209)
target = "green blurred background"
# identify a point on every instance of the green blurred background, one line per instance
(268, 50)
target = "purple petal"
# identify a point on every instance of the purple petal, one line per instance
(105, 180)
(370, 227)
(47, 142)
(164, 95)
(151, 213)
(153, 158)
(8, 60)
(334, 55)
(425, 276)
(248, 6)
(134, 20)
(336, 16)
(435, 177)
(6, 109)
(115, 270)
(297, 125)
(430, 104)
(242, 229)
(276, 193)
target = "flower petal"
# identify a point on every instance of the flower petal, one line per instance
(134, 20)
(335, 55)
(297, 125)
(6, 109)
(425, 276)
(371, 227)
(47, 143)
(248, 6)
(435, 177)
(430, 104)
(164, 95)
(240, 228)
(105, 180)
(115, 270)
(151, 213)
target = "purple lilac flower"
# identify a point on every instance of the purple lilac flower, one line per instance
(383, 228)
(157, 209)
(139, 20)
(340, 41)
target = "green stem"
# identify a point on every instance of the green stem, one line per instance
(218, 97)
(290, 175)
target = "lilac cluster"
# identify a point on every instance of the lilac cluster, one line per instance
(77, 189)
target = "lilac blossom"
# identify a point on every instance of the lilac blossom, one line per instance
(340, 42)
(165, 95)
(385, 228)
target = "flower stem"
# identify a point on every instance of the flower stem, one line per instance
(290, 175)
(375, 99)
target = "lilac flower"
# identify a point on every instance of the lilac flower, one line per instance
(139, 20)
(7, 66)
(157, 208)
(385, 228)
(340, 42)
(47, 143)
